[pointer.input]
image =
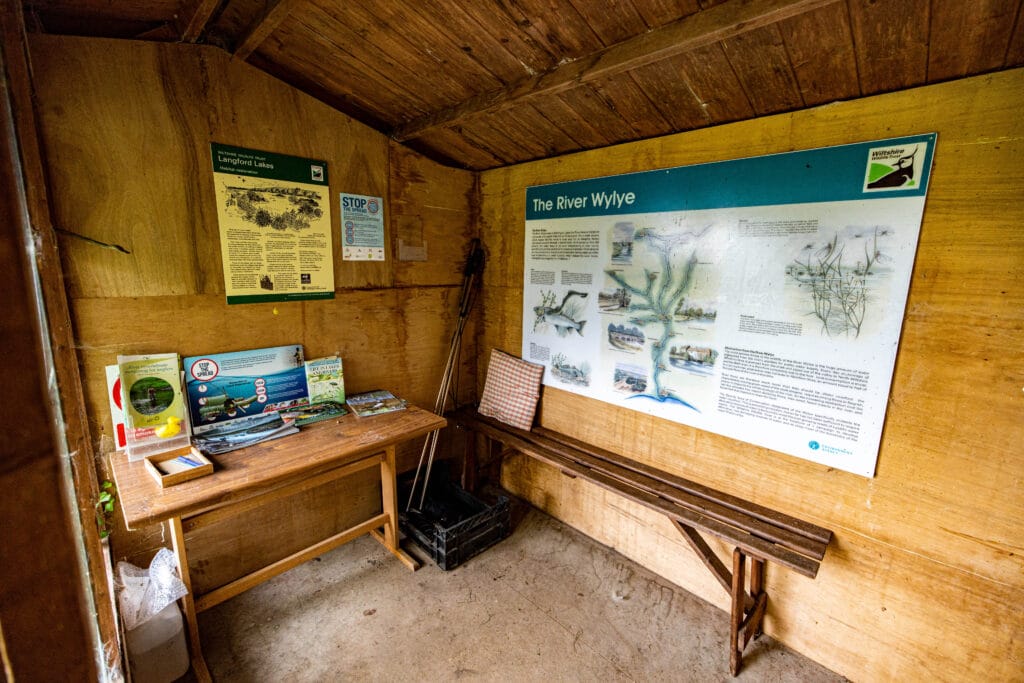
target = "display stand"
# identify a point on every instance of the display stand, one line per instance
(257, 475)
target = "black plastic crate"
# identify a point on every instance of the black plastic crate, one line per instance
(454, 525)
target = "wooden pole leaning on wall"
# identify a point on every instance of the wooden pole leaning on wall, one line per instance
(471, 274)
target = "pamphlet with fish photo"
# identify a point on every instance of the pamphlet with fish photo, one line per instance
(154, 408)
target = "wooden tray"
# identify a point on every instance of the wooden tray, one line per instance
(181, 464)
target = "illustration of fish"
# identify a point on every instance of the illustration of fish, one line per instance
(564, 323)
(562, 317)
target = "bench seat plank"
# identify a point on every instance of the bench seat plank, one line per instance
(752, 545)
(799, 526)
(708, 507)
(770, 524)
(795, 551)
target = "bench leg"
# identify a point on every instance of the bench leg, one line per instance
(747, 612)
(736, 617)
(760, 597)
(470, 464)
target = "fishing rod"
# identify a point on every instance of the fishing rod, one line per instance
(470, 274)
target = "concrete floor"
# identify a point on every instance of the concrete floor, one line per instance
(546, 604)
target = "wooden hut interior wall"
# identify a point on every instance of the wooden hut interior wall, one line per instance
(450, 111)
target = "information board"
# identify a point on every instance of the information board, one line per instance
(759, 298)
(274, 214)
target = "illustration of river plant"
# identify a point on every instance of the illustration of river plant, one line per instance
(838, 289)
(654, 302)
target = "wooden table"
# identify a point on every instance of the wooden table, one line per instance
(254, 476)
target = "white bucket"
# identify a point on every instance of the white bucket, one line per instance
(156, 648)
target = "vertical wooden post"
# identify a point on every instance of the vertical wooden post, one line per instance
(757, 566)
(389, 505)
(188, 602)
(389, 498)
(495, 456)
(33, 455)
(469, 462)
(738, 600)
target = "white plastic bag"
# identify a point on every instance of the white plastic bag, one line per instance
(143, 593)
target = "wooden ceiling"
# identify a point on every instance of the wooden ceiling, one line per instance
(486, 83)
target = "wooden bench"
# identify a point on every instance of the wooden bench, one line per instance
(753, 530)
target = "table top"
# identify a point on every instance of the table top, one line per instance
(251, 471)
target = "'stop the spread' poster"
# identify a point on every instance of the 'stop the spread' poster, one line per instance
(274, 212)
(240, 386)
(759, 298)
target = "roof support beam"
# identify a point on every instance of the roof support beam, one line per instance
(706, 27)
(262, 27)
(197, 22)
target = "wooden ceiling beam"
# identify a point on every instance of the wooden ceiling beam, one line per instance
(198, 21)
(262, 27)
(704, 28)
(165, 32)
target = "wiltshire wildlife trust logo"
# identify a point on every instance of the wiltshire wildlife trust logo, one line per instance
(898, 167)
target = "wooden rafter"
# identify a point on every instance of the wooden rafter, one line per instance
(698, 30)
(198, 21)
(164, 32)
(263, 26)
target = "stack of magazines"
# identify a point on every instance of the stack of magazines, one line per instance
(305, 415)
(241, 433)
(375, 403)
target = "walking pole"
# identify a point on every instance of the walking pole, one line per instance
(474, 268)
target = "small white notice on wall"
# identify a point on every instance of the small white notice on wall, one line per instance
(362, 228)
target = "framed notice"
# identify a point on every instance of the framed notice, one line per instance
(759, 298)
(274, 213)
(362, 227)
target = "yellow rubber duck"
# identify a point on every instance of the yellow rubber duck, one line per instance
(168, 430)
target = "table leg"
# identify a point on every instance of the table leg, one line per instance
(389, 502)
(188, 602)
(389, 497)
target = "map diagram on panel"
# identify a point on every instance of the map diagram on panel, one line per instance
(657, 283)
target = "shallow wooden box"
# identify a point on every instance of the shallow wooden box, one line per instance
(168, 470)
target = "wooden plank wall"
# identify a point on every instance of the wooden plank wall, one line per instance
(45, 608)
(126, 128)
(925, 577)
